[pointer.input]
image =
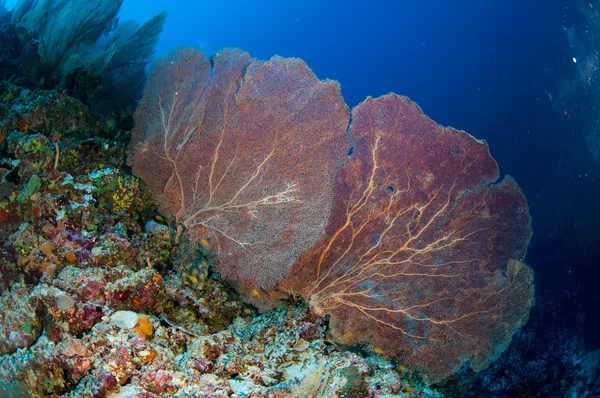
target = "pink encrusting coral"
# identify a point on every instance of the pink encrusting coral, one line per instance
(242, 153)
(414, 247)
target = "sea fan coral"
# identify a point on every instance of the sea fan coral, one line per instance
(415, 248)
(242, 153)
(422, 255)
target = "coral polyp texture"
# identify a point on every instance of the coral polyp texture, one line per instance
(396, 227)
(422, 254)
(242, 153)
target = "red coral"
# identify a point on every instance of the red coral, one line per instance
(158, 382)
(92, 290)
(242, 153)
(105, 383)
(212, 351)
(3, 216)
(309, 331)
(422, 252)
(203, 366)
(90, 315)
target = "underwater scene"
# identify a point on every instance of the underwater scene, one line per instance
(335, 198)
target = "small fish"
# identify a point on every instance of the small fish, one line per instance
(205, 242)
(378, 350)
(256, 293)
(159, 218)
(193, 278)
(400, 368)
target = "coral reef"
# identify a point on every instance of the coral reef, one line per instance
(100, 298)
(393, 229)
(43, 112)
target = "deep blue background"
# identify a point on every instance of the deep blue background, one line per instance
(502, 70)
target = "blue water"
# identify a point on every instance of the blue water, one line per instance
(505, 71)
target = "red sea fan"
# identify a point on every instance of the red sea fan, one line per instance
(243, 154)
(415, 248)
(422, 254)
